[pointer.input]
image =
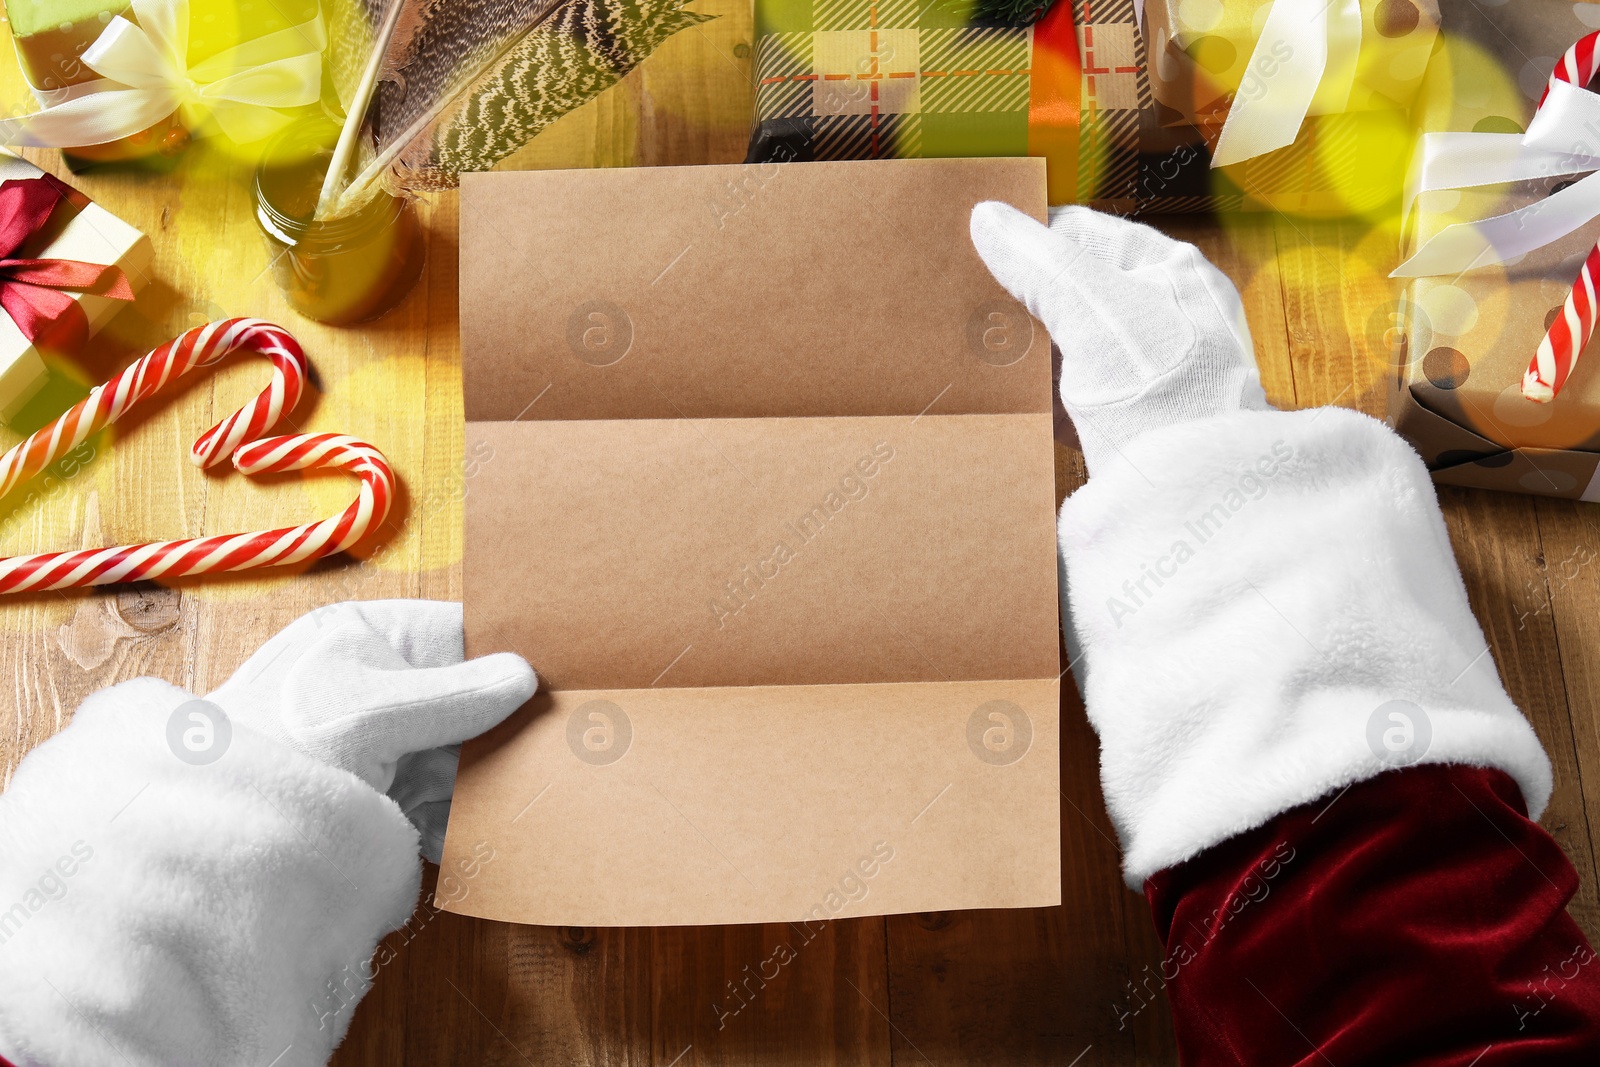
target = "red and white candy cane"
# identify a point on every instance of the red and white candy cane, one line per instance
(1563, 343)
(201, 347)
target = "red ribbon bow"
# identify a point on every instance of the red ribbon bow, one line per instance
(31, 290)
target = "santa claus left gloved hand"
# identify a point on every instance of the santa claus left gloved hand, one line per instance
(205, 881)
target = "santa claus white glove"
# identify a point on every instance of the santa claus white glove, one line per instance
(188, 881)
(379, 688)
(1262, 606)
(1150, 332)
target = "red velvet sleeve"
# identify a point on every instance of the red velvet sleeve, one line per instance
(1419, 919)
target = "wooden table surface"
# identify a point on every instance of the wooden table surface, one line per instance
(1076, 984)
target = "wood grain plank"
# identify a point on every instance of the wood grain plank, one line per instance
(1497, 541)
(1336, 295)
(1044, 985)
(445, 478)
(795, 994)
(1567, 593)
(489, 993)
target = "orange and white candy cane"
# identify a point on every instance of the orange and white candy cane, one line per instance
(105, 404)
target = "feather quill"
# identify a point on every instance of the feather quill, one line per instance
(360, 99)
(467, 82)
(350, 26)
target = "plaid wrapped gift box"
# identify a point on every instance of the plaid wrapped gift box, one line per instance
(868, 79)
(871, 79)
(1129, 162)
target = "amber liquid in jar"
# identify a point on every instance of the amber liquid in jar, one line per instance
(342, 270)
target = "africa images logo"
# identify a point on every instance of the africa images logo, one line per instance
(1399, 732)
(999, 732)
(199, 732)
(599, 732)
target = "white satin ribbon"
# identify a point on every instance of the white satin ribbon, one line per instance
(1563, 138)
(145, 76)
(1304, 62)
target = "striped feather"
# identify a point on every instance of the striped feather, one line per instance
(579, 50)
(464, 83)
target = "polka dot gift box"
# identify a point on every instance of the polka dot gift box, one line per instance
(1298, 105)
(54, 38)
(1490, 264)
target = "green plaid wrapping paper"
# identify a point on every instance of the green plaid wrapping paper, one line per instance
(867, 79)
(864, 79)
(1128, 162)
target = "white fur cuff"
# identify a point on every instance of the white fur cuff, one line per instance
(178, 891)
(1269, 610)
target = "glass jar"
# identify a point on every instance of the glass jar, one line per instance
(341, 270)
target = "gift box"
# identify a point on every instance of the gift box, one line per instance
(67, 266)
(51, 37)
(1207, 59)
(866, 80)
(1183, 67)
(1138, 156)
(869, 79)
(1202, 55)
(1464, 334)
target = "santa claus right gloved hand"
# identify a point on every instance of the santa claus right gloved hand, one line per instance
(191, 881)
(1319, 782)
(1246, 586)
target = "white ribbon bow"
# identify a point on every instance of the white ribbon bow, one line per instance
(1563, 138)
(1303, 63)
(145, 76)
